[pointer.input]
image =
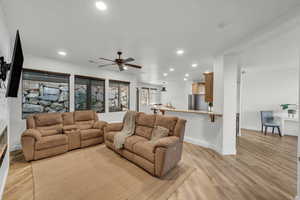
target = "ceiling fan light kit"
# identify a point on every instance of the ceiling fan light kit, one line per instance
(123, 64)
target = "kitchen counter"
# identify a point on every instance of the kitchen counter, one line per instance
(203, 128)
(212, 115)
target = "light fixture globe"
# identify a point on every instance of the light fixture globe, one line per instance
(100, 5)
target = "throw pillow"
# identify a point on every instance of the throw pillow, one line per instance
(159, 132)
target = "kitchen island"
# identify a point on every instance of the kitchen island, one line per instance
(203, 128)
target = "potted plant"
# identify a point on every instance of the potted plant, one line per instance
(291, 109)
(210, 106)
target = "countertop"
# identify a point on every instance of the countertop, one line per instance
(187, 111)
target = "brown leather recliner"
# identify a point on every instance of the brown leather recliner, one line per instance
(157, 158)
(51, 134)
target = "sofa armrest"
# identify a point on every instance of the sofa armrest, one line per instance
(70, 127)
(168, 151)
(113, 127)
(100, 125)
(34, 133)
(166, 142)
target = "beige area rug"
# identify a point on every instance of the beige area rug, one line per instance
(101, 174)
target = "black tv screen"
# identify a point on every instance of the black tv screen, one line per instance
(16, 67)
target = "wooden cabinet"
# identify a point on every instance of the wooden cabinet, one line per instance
(198, 88)
(209, 86)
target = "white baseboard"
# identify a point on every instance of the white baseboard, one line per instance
(201, 143)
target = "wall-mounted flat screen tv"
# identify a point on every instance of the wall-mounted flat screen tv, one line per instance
(16, 67)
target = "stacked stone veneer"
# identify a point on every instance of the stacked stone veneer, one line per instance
(40, 97)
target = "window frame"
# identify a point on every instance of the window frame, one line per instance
(148, 95)
(90, 78)
(45, 72)
(129, 93)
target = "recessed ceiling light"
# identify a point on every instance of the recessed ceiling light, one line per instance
(62, 53)
(101, 5)
(165, 74)
(125, 68)
(187, 75)
(185, 79)
(194, 65)
(180, 52)
(172, 69)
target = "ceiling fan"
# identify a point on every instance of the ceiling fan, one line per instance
(120, 62)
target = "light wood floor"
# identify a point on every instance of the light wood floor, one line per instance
(263, 169)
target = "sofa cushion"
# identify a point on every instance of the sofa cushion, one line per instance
(30, 122)
(51, 141)
(85, 115)
(144, 125)
(132, 140)
(110, 136)
(57, 128)
(49, 132)
(159, 132)
(48, 119)
(68, 118)
(143, 131)
(145, 150)
(145, 120)
(85, 126)
(168, 122)
(90, 133)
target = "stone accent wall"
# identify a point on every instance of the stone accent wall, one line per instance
(40, 97)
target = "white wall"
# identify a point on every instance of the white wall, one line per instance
(201, 131)
(225, 101)
(229, 104)
(298, 149)
(266, 90)
(177, 93)
(5, 48)
(18, 125)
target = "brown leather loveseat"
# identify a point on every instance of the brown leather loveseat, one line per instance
(157, 157)
(51, 134)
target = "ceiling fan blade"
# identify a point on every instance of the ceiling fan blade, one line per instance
(128, 60)
(92, 61)
(135, 66)
(106, 65)
(107, 59)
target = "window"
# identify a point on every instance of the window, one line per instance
(119, 96)
(150, 96)
(145, 96)
(44, 92)
(154, 97)
(89, 94)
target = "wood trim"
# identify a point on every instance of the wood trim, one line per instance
(89, 77)
(209, 86)
(119, 81)
(43, 71)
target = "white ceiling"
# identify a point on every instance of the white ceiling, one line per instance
(281, 52)
(149, 31)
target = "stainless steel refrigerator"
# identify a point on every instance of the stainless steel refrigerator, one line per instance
(197, 102)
